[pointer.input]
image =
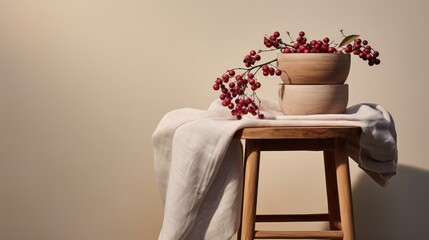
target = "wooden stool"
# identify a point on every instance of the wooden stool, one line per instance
(333, 142)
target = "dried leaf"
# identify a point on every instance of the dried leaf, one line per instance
(348, 39)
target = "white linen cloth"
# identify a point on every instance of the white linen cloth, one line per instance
(199, 166)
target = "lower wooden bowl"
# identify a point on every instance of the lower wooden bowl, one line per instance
(313, 99)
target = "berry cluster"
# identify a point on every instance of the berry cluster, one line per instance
(314, 46)
(250, 59)
(359, 47)
(234, 86)
(301, 45)
(266, 70)
(273, 40)
(364, 51)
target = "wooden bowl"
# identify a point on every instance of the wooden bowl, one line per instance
(313, 99)
(313, 68)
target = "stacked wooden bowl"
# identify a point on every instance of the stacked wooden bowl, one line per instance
(313, 83)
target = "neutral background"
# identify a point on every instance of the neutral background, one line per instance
(83, 84)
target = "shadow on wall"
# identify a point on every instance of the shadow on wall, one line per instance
(399, 211)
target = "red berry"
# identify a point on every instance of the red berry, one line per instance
(231, 73)
(296, 45)
(278, 72)
(356, 46)
(286, 50)
(301, 34)
(326, 40)
(257, 57)
(276, 34)
(276, 44)
(253, 53)
(265, 68)
(318, 45)
(261, 116)
(216, 87)
(367, 49)
(358, 41)
(250, 75)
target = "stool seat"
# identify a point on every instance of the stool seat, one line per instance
(333, 142)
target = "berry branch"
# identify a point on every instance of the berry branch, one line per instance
(234, 87)
(257, 66)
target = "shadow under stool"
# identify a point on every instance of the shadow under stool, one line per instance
(333, 142)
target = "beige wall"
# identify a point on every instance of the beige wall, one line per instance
(83, 84)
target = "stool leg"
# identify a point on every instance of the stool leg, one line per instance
(332, 190)
(250, 191)
(344, 189)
